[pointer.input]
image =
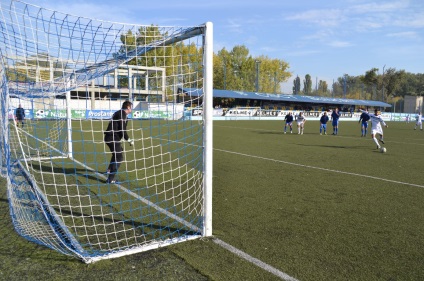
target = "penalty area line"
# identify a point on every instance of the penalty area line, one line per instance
(253, 260)
(319, 168)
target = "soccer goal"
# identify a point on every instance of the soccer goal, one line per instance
(68, 75)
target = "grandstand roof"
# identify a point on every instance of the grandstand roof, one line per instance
(285, 98)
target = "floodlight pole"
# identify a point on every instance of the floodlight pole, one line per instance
(382, 98)
(275, 82)
(225, 75)
(257, 62)
(344, 86)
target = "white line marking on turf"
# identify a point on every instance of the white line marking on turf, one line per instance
(319, 168)
(244, 255)
(257, 262)
(338, 136)
(253, 260)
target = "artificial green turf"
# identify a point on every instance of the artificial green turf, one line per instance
(272, 202)
(320, 224)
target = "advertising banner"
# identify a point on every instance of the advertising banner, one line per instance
(152, 114)
(218, 112)
(99, 114)
(197, 111)
(46, 113)
(78, 114)
(91, 114)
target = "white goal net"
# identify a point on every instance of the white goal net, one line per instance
(62, 78)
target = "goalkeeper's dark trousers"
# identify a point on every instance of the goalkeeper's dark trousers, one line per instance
(20, 120)
(117, 156)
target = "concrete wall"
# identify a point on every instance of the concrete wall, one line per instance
(413, 104)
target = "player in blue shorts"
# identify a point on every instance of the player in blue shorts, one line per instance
(289, 121)
(365, 117)
(335, 121)
(323, 123)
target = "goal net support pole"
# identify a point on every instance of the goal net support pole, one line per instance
(69, 122)
(208, 117)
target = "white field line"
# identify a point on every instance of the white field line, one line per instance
(135, 195)
(319, 168)
(338, 136)
(142, 199)
(253, 260)
(261, 264)
(246, 256)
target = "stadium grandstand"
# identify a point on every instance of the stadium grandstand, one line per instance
(229, 98)
(240, 104)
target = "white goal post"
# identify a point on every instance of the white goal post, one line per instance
(62, 78)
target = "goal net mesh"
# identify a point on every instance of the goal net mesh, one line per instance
(68, 75)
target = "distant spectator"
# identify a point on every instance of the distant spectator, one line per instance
(20, 115)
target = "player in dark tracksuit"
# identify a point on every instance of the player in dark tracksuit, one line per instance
(20, 115)
(323, 123)
(365, 117)
(289, 121)
(116, 130)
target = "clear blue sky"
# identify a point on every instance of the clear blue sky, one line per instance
(325, 39)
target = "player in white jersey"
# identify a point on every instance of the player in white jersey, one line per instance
(419, 123)
(376, 127)
(300, 119)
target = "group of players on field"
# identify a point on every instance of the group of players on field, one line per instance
(376, 124)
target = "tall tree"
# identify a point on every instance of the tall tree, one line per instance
(181, 61)
(296, 86)
(412, 84)
(236, 70)
(371, 77)
(307, 85)
(323, 88)
(392, 82)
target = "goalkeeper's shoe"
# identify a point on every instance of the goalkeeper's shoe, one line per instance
(111, 181)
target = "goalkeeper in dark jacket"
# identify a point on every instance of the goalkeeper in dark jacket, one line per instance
(116, 130)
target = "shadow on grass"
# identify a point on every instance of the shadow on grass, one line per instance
(268, 132)
(14, 246)
(75, 172)
(127, 221)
